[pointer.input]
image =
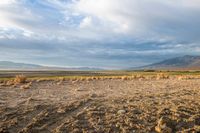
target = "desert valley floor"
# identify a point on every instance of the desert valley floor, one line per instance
(101, 106)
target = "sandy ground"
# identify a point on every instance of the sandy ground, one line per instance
(102, 106)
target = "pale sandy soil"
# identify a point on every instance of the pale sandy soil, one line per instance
(101, 106)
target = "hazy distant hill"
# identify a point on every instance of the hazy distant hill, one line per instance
(8, 65)
(184, 62)
(13, 65)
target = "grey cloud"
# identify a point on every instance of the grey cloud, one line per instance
(118, 34)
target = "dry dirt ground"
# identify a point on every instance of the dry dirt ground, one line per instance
(102, 106)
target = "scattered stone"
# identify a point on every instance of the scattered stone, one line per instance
(80, 89)
(93, 95)
(133, 131)
(26, 86)
(121, 112)
(61, 110)
(59, 83)
(137, 111)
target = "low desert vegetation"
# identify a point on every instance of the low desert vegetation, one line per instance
(19, 79)
(129, 75)
(187, 77)
(61, 79)
(157, 76)
(162, 76)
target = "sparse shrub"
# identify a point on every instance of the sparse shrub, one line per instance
(81, 79)
(162, 76)
(74, 79)
(182, 77)
(95, 78)
(186, 77)
(179, 77)
(89, 79)
(61, 79)
(9, 82)
(124, 78)
(116, 77)
(133, 77)
(101, 78)
(20, 79)
(138, 76)
(149, 77)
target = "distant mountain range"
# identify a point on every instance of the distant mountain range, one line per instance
(8, 65)
(13, 65)
(187, 62)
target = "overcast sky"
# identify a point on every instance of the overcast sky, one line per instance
(98, 33)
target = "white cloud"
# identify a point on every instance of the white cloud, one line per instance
(16, 17)
(149, 19)
(124, 26)
(144, 18)
(6, 2)
(86, 22)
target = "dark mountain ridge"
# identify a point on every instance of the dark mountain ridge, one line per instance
(184, 62)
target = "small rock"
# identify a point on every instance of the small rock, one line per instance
(137, 111)
(61, 110)
(25, 87)
(80, 89)
(93, 95)
(121, 112)
(59, 83)
(133, 131)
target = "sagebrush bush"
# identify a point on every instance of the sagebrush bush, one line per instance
(162, 76)
(61, 78)
(20, 79)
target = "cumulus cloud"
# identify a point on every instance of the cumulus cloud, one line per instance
(6, 2)
(103, 30)
(86, 22)
(150, 19)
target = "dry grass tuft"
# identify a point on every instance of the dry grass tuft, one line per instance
(20, 79)
(82, 79)
(61, 79)
(140, 76)
(88, 79)
(9, 82)
(162, 76)
(124, 78)
(186, 77)
(134, 77)
(180, 77)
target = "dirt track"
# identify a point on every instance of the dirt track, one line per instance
(101, 106)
